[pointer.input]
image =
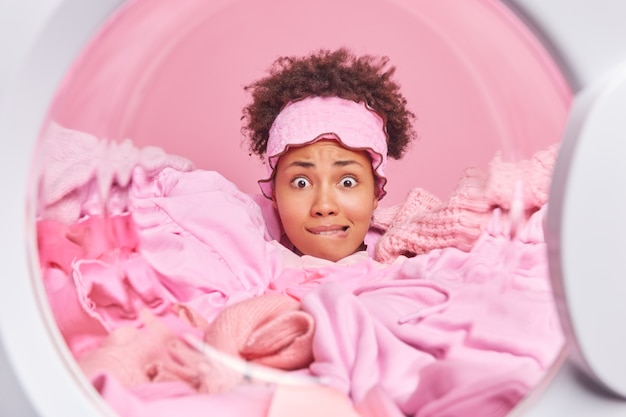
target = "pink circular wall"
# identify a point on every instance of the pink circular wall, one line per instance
(171, 74)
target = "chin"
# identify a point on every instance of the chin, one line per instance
(333, 256)
(328, 252)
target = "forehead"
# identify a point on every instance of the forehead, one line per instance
(326, 149)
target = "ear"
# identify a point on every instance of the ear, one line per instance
(375, 205)
(273, 195)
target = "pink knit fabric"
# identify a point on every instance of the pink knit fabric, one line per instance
(423, 222)
(269, 330)
(533, 175)
(144, 354)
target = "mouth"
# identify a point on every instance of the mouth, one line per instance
(328, 230)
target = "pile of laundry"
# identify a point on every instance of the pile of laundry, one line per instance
(150, 265)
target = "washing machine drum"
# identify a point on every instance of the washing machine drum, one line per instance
(161, 84)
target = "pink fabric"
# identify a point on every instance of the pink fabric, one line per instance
(73, 163)
(94, 237)
(378, 404)
(534, 175)
(448, 331)
(499, 331)
(167, 399)
(116, 292)
(94, 240)
(80, 330)
(305, 121)
(270, 330)
(137, 355)
(423, 222)
(312, 401)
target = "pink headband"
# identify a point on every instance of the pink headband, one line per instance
(354, 125)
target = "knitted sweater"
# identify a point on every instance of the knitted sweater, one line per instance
(423, 222)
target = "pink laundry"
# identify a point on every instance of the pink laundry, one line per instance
(77, 181)
(448, 332)
(423, 222)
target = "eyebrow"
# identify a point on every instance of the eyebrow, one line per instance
(344, 163)
(301, 164)
(339, 163)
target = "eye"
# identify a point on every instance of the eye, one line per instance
(300, 182)
(348, 182)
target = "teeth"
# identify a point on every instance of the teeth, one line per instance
(329, 232)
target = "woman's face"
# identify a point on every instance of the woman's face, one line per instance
(325, 195)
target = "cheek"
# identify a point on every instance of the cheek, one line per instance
(360, 209)
(289, 207)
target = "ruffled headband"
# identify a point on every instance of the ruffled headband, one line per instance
(303, 122)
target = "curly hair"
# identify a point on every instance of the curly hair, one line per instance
(325, 73)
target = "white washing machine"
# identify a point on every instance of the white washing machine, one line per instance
(39, 41)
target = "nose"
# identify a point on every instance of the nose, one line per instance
(325, 203)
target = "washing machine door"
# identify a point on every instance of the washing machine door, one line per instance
(38, 41)
(586, 240)
(586, 236)
(585, 248)
(586, 227)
